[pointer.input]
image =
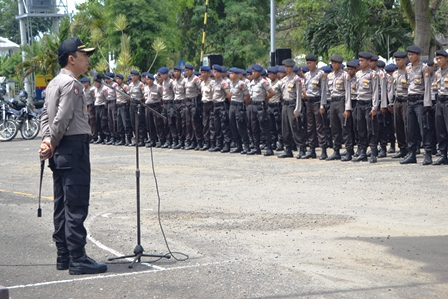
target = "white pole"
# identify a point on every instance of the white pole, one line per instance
(273, 25)
(24, 42)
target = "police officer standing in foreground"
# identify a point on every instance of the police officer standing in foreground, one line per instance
(65, 142)
(442, 106)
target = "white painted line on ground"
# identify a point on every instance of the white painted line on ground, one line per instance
(114, 275)
(108, 249)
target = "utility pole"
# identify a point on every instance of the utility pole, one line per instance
(273, 25)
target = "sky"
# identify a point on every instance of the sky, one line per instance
(71, 4)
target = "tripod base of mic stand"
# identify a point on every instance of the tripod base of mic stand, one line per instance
(138, 253)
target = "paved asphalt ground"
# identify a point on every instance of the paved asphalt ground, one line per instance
(252, 226)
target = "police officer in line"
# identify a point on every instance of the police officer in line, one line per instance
(368, 102)
(316, 93)
(89, 93)
(136, 91)
(340, 109)
(419, 106)
(399, 101)
(111, 107)
(193, 106)
(239, 97)
(178, 121)
(154, 123)
(248, 108)
(65, 142)
(124, 128)
(260, 93)
(208, 123)
(275, 109)
(167, 105)
(101, 111)
(432, 113)
(221, 92)
(291, 110)
(351, 68)
(442, 106)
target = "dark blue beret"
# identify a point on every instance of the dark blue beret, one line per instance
(414, 49)
(305, 69)
(310, 57)
(374, 57)
(150, 76)
(163, 70)
(135, 72)
(288, 62)
(429, 62)
(145, 74)
(205, 68)
(356, 61)
(177, 68)
(223, 69)
(296, 69)
(326, 69)
(120, 76)
(442, 53)
(281, 69)
(217, 68)
(381, 63)
(389, 68)
(264, 73)
(273, 69)
(365, 55)
(257, 68)
(189, 66)
(129, 77)
(235, 70)
(244, 72)
(83, 80)
(337, 58)
(97, 79)
(400, 55)
(352, 64)
(249, 70)
(110, 74)
(196, 73)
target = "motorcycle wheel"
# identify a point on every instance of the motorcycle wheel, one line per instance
(30, 129)
(8, 130)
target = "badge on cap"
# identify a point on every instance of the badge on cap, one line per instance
(76, 90)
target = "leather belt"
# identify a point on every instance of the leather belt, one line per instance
(258, 103)
(220, 104)
(337, 99)
(313, 99)
(401, 99)
(415, 97)
(235, 103)
(275, 104)
(291, 102)
(365, 103)
(442, 98)
(168, 102)
(85, 138)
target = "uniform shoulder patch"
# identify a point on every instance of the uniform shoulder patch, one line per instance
(75, 90)
(265, 82)
(141, 84)
(224, 84)
(426, 74)
(196, 79)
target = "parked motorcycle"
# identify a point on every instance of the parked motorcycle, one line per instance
(8, 127)
(25, 118)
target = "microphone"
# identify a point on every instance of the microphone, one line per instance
(94, 74)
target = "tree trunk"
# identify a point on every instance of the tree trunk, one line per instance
(422, 36)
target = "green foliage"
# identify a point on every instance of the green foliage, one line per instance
(8, 65)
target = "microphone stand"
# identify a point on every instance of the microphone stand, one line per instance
(138, 250)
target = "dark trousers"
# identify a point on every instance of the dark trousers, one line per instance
(260, 123)
(275, 122)
(92, 121)
(194, 119)
(112, 118)
(442, 124)
(154, 123)
(208, 122)
(167, 111)
(221, 119)
(123, 121)
(367, 127)
(177, 121)
(291, 130)
(341, 128)
(383, 127)
(353, 118)
(137, 110)
(418, 122)
(315, 125)
(400, 107)
(71, 187)
(101, 121)
(249, 121)
(238, 123)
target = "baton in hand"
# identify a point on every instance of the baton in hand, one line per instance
(42, 166)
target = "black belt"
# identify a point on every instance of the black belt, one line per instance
(366, 103)
(190, 99)
(442, 98)
(235, 103)
(313, 99)
(168, 102)
(153, 105)
(258, 102)
(337, 99)
(274, 104)
(291, 102)
(415, 97)
(85, 138)
(221, 104)
(122, 105)
(401, 99)
(110, 101)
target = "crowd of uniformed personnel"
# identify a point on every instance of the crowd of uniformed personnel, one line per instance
(285, 108)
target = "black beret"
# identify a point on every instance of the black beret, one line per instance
(442, 53)
(390, 68)
(310, 57)
(381, 63)
(414, 49)
(352, 64)
(365, 55)
(337, 58)
(288, 62)
(400, 55)
(429, 62)
(374, 57)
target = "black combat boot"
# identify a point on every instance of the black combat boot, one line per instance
(121, 141)
(336, 156)
(286, 154)
(111, 141)
(206, 146)
(310, 154)
(374, 155)
(237, 149)
(63, 257)
(80, 263)
(199, 145)
(358, 151)
(323, 155)
(383, 152)
(255, 151)
(361, 157)
(391, 148)
(269, 151)
(428, 159)
(302, 152)
(215, 148)
(410, 158)
(348, 156)
(98, 141)
(246, 149)
(401, 153)
(443, 160)
(280, 146)
(226, 147)
(167, 144)
(191, 146)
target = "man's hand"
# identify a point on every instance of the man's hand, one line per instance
(46, 150)
(296, 116)
(347, 114)
(373, 113)
(322, 110)
(384, 111)
(391, 109)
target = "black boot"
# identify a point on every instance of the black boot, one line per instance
(121, 141)
(63, 257)
(323, 155)
(358, 151)
(310, 154)
(199, 145)
(443, 160)
(212, 147)
(191, 146)
(428, 159)
(361, 157)
(336, 156)
(347, 156)
(245, 150)
(176, 145)
(374, 155)
(401, 153)
(111, 141)
(226, 147)
(383, 152)
(98, 141)
(302, 152)
(141, 143)
(279, 147)
(167, 144)
(206, 146)
(80, 263)
(255, 151)
(410, 158)
(237, 149)
(286, 154)
(391, 149)
(269, 151)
